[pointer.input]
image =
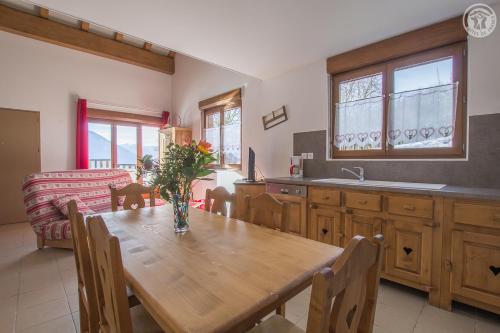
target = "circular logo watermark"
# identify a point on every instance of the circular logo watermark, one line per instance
(479, 20)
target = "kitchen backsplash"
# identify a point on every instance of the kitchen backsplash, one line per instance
(482, 169)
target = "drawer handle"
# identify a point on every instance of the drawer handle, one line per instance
(362, 202)
(495, 270)
(326, 198)
(411, 208)
(313, 206)
(325, 231)
(407, 250)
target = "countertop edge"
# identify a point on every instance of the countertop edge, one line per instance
(447, 191)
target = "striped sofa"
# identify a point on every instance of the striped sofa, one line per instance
(91, 186)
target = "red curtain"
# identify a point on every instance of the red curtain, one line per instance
(164, 118)
(82, 135)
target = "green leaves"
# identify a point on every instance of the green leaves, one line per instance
(179, 167)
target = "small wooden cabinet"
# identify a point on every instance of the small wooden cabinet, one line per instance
(409, 250)
(475, 270)
(325, 224)
(471, 254)
(178, 135)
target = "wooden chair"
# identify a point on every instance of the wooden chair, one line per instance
(87, 298)
(266, 211)
(220, 197)
(107, 265)
(133, 196)
(353, 281)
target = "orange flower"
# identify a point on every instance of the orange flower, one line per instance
(204, 147)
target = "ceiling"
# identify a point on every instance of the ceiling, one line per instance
(261, 38)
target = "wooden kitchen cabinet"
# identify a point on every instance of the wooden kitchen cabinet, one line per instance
(325, 224)
(471, 254)
(409, 250)
(363, 223)
(475, 269)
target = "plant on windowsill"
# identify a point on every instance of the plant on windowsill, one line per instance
(173, 177)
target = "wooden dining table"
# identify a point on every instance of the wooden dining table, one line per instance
(223, 275)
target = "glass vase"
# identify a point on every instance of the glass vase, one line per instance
(181, 213)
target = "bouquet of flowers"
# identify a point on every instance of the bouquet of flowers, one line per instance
(175, 173)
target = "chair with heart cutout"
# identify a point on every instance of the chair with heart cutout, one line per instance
(134, 198)
(353, 281)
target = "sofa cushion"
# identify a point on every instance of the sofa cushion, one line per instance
(56, 230)
(62, 204)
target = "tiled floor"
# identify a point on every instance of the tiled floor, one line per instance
(38, 294)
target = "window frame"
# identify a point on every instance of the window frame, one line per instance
(221, 110)
(115, 119)
(458, 52)
(225, 101)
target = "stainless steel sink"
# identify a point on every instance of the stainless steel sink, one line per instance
(381, 183)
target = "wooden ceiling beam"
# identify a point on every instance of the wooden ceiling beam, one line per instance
(85, 26)
(18, 22)
(119, 36)
(43, 12)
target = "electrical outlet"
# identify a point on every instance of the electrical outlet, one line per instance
(310, 156)
(304, 156)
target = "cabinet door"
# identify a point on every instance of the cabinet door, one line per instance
(409, 249)
(325, 224)
(476, 266)
(363, 224)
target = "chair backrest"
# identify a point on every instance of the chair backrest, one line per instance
(267, 211)
(216, 199)
(133, 196)
(89, 316)
(353, 280)
(109, 277)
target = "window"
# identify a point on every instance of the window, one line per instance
(116, 141)
(411, 106)
(221, 126)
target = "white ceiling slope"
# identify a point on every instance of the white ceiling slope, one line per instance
(262, 38)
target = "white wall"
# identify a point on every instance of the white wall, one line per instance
(305, 93)
(43, 77)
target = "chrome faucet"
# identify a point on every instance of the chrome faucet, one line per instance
(361, 176)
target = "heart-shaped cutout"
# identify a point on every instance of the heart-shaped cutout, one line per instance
(350, 316)
(408, 250)
(495, 270)
(134, 206)
(325, 231)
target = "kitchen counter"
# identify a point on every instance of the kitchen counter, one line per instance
(447, 191)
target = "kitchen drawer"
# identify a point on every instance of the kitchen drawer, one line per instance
(411, 206)
(477, 214)
(324, 196)
(363, 201)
